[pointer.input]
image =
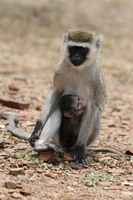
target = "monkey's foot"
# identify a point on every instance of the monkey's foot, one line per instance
(77, 152)
(46, 146)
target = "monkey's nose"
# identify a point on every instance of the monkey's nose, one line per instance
(77, 55)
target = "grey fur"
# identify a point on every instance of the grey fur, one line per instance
(85, 81)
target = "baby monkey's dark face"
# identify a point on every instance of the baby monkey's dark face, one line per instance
(71, 105)
(77, 54)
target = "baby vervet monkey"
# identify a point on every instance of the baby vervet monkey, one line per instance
(72, 108)
(78, 73)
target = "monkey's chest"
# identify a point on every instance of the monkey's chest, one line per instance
(74, 84)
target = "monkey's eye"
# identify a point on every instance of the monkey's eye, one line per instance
(73, 49)
(84, 49)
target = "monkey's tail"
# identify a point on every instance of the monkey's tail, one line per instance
(109, 149)
(13, 121)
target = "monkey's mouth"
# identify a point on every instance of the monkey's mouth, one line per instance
(68, 114)
(76, 62)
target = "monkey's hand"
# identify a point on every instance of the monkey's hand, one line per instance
(33, 139)
(77, 152)
(36, 133)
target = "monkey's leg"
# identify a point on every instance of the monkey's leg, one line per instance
(95, 128)
(51, 128)
(48, 109)
(88, 121)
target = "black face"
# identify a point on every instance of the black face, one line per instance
(71, 104)
(66, 103)
(77, 54)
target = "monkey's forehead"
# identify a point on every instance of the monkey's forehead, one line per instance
(78, 35)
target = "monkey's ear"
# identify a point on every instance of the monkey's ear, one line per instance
(98, 43)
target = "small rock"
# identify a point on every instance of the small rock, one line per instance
(17, 195)
(38, 107)
(16, 171)
(31, 165)
(68, 157)
(39, 170)
(13, 86)
(13, 103)
(2, 126)
(73, 165)
(125, 122)
(127, 183)
(11, 191)
(46, 156)
(123, 134)
(24, 193)
(51, 175)
(1, 143)
(130, 151)
(13, 184)
(20, 78)
(31, 172)
(111, 124)
(66, 162)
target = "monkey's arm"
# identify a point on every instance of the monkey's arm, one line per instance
(48, 109)
(13, 121)
(109, 149)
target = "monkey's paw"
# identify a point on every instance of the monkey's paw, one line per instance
(33, 139)
(77, 152)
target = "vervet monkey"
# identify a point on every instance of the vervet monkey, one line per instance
(70, 105)
(78, 73)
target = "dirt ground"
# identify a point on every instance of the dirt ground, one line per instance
(30, 40)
